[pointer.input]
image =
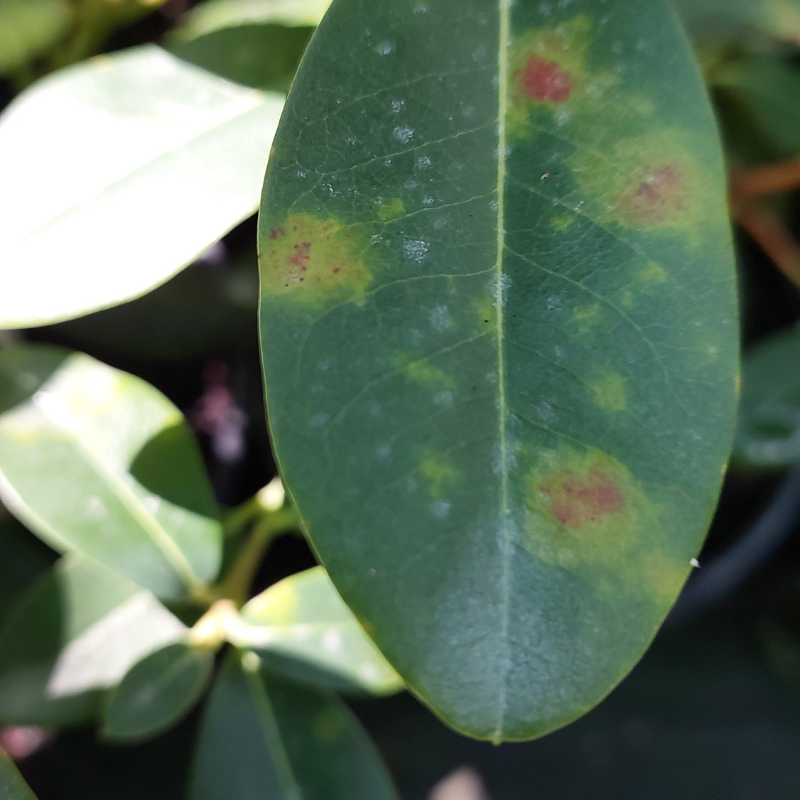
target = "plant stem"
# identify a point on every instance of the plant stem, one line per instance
(773, 237)
(237, 582)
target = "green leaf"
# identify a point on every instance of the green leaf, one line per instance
(719, 20)
(501, 390)
(769, 417)
(97, 461)
(117, 173)
(216, 15)
(263, 56)
(158, 692)
(766, 88)
(29, 27)
(23, 558)
(12, 784)
(305, 630)
(73, 635)
(262, 738)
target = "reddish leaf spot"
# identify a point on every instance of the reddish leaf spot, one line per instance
(545, 81)
(657, 197)
(336, 271)
(276, 232)
(577, 500)
(302, 252)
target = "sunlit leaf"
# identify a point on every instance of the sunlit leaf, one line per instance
(501, 390)
(720, 20)
(28, 27)
(303, 627)
(263, 738)
(769, 418)
(157, 692)
(12, 784)
(76, 633)
(215, 15)
(97, 461)
(117, 173)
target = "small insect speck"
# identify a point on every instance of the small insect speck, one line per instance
(319, 420)
(443, 399)
(439, 223)
(428, 201)
(385, 48)
(416, 249)
(410, 184)
(397, 106)
(441, 509)
(440, 318)
(324, 365)
(383, 451)
(423, 162)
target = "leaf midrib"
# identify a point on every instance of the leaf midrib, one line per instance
(505, 539)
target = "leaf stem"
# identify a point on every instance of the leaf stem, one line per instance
(773, 237)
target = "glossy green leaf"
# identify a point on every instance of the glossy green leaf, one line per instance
(302, 627)
(117, 173)
(12, 784)
(23, 558)
(97, 461)
(721, 20)
(501, 390)
(28, 27)
(263, 56)
(216, 15)
(157, 692)
(769, 417)
(73, 635)
(264, 738)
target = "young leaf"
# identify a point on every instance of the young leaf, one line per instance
(721, 20)
(12, 784)
(769, 418)
(97, 461)
(76, 633)
(261, 737)
(302, 627)
(117, 173)
(157, 692)
(500, 338)
(29, 27)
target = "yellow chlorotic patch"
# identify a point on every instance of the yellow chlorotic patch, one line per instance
(562, 222)
(487, 312)
(585, 508)
(425, 373)
(650, 275)
(650, 182)
(313, 260)
(441, 474)
(610, 392)
(662, 575)
(391, 209)
(587, 317)
(278, 606)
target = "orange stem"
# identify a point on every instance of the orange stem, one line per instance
(773, 237)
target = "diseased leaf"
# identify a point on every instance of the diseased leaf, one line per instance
(501, 356)
(720, 20)
(97, 461)
(305, 630)
(262, 737)
(29, 27)
(74, 634)
(769, 417)
(12, 784)
(117, 173)
(157, 692)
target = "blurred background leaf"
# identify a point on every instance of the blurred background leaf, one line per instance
(12, 785)
(29, 27)
(97, 461)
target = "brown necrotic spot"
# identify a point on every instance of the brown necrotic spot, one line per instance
(577, 500)
(545, 81)
(658, 195)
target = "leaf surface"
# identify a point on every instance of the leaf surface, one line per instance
(74, 634)
(499, 334)
(769, 418)
(28, 27)
(157, 692)
(12, 784)
(97, 461)
(117, 173)
(262, 737)
(306, 628)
